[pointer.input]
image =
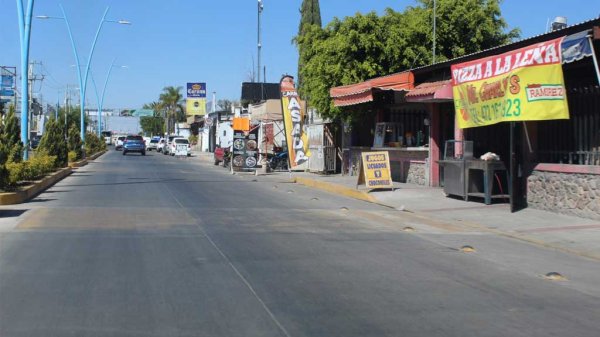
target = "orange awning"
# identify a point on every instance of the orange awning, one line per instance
(363, 92)
(440, 91)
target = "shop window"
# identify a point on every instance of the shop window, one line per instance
(577, 140)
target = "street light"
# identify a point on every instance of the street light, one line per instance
(83, 79)
(101, 98)
(24, 16)
(259, 44)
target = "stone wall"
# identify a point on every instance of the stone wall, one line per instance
(565, 193)
(417, 173)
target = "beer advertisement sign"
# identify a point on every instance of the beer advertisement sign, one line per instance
(196, 99)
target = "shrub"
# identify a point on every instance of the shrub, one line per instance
(11, 149)
(32, 169)
(94, 144)
(53, 142)
(74, 141)
(193, 139)
(72, 156)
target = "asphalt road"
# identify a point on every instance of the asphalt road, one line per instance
(160, 246)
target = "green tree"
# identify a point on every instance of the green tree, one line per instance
(74, 142)
(310, 15)
(154, 106)
(367, 45)
(11, 137)
(93, 143)
(152, 125)
(53, 141)
(226, 104)
(171, 100)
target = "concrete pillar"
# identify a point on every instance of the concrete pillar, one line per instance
(434, 144)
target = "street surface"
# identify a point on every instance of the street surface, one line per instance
(161, 246)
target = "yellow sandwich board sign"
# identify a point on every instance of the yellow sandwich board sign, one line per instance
(375, 170)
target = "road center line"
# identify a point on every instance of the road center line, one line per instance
(232, 266)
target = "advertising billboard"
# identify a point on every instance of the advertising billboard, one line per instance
(526, 84)
(245, 149)
(196, 99)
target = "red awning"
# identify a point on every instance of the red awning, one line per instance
(363, 92)
(440, 91)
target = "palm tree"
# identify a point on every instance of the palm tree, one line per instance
(156, 107)
(171, 100)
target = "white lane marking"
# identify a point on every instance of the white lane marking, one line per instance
(232, 266)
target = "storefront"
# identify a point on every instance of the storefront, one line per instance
(386, 121)
(554, 164)
(536, 106)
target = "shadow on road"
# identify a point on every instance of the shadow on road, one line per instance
(11, 213)
(41, 200)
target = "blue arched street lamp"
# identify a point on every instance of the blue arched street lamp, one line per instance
(25, 33)
(100, 98)
(83, 79)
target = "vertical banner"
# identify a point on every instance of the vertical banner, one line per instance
(196, 99)
(526, 84)
(296, 139)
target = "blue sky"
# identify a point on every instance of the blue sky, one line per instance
(178, 41)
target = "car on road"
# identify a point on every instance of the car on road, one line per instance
(35, 141)
(119, 143)
(107, 135)
(177, 144)
(161, 145)
(153, 144)
(169, 144)
(134, 144)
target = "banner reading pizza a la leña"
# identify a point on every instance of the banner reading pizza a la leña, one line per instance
(526, 84)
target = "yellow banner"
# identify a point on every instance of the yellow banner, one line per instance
(526, 84)
(376, 171)
(196, 106)
(293, 118)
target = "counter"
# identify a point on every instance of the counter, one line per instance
(405, 159)
(404, 162)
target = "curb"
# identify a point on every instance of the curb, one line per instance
(85, 161)
(336, 189)
(31, 191)
(364, 196)
(96, 155)
(77, 164)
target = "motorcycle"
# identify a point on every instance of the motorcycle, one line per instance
(278, 161)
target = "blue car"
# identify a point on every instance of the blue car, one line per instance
(134, 144)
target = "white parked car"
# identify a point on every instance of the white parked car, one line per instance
(153, 144)
(178, 144)
(161, 145)
(169, 145)
(120, 141)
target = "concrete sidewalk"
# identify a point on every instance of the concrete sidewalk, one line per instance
(567, 233)
(563, 232)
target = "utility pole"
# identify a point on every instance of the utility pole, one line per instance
(434, 28)
(258, 68)
(214, 109)
(32, 78)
